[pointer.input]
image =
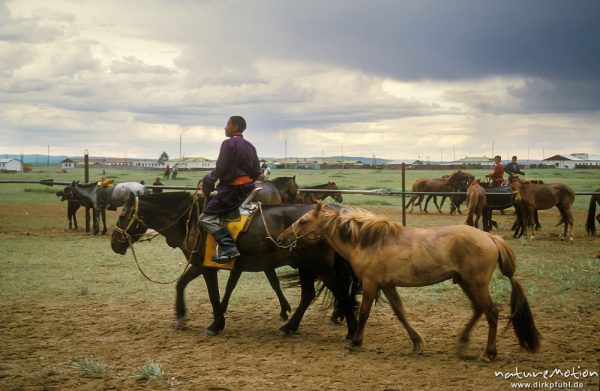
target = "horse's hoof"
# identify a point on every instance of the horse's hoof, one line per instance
(416, 352)
(286, 330)
(209, 333)
(485, 359)
(283, 316)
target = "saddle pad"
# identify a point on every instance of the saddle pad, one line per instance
(235, 227)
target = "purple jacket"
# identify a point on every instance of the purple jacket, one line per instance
(237, 158)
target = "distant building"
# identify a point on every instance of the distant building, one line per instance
(573, 160)
(68, 163)
(193, 163)
(11, 165)
(482, 161)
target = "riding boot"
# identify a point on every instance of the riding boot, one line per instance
(227, 248)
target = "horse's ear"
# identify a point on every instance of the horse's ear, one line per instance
(294, 177)
(318, 208)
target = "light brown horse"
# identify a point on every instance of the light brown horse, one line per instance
(534, 196)
(590, 224)
(475, 204)
(384, 255)
(458, 181)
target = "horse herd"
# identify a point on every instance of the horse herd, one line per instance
(350, 250)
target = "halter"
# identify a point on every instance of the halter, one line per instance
(133, 217)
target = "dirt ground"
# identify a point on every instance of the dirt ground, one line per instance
(42, 334)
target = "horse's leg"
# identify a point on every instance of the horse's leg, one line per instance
(232, 281)
(538, 226)
(103, 214)
(442, 203)
(429, 197)
(212, 284)
(370, 291)
(482, 303)
(344, 291)
(191, 274)
(411, 202)
(396, 304)
(87, 219)
(96, 221)
(463, 339)
(75, 218)
(274, 281)
(306, 297)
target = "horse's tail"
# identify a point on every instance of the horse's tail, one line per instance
(521, 316)
(472, 201)
(590, 224)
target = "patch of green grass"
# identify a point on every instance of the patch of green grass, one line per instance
(83, 290)
(500, 288)
(89, 366)
(39, 190)
(149, 371)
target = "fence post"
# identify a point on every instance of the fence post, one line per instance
(86, 166)
(403, 196)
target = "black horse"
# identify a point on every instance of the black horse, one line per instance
(168, 214)
(73, 206)
(76, 199)
(590, 223)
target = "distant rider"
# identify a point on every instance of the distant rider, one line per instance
(497, 175)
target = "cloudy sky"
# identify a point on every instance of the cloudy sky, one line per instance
(394, 79)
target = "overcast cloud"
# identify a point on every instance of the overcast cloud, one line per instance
(398, 79)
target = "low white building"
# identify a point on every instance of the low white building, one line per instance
(193, 163)
(11, 165)
(68, 163)
(573, 160)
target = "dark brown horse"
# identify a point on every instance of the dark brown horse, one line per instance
(75, 197)
(535, 196)
(309, 198)
(458, 181)
(73, 206)
(167, 213)
(281, 190)
(590, 224)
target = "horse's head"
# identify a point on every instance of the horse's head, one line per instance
(460, 180)
(307, 227)
(129, 227)
(336, 196)
(289, 190)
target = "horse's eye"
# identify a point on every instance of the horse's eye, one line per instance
(301, 222)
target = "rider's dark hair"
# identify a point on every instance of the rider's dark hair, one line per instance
(239, 121)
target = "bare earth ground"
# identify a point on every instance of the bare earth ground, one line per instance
(42, 333)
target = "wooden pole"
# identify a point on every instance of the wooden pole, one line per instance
(403, 195)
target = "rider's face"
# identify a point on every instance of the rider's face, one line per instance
(231, 129)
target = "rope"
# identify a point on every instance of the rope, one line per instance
(135, 217)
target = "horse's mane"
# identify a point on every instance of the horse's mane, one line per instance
(359, 226)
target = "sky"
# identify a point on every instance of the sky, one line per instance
(406, 79)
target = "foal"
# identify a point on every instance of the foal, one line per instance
(475, 204)
(385, 255)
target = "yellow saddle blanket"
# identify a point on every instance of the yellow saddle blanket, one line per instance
(235, 227)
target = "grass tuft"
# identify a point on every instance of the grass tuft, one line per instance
(90, 367)
(149, 371)
(83, 290)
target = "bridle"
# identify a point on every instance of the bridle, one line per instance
(289, 246)
(134, 217)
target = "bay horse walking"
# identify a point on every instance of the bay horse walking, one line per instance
(168, 214)
(534, 196)
(311, 198)
(384, 255)
(458, 181)
(476, 205)
(590, 224)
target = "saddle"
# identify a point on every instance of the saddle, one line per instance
(237, 221)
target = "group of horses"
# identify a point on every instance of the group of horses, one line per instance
(347, 250)
(527, 197)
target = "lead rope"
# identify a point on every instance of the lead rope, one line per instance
(192, 252)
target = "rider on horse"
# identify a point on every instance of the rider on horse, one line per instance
(497, 175)
(513, 168)
(237, 169)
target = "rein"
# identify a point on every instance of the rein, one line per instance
(290, 246)
(134, 217)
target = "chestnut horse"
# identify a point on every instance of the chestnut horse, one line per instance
(590, 224)
(475, 205)
(458, 181)
(384, 255)
(307, 198)
(534, 196)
